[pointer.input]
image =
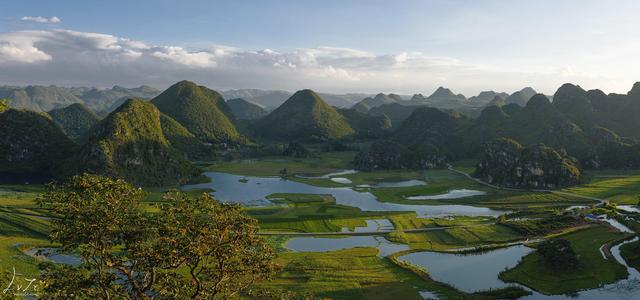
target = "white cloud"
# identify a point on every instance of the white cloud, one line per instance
(40, 19)
(66, 57)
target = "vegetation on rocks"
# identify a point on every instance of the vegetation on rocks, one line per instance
(507, 163)
(304, 116)
(366, 125)
(130, 144)
(75, 119)
(201, 110)
(386, 154)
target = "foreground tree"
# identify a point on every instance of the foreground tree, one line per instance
(192, 249)
(215, 242)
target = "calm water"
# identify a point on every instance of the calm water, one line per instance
(467, 272)
(403, 183)
(622, 290)
(471, 272)
(329, 175)
(341, 180)
(321, 244)
(52, 254)
(480, 272)
(629, 208)
(254, 190)
(452, 194)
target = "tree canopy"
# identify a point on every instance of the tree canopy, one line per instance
(558, 254)
(193, 248)
(4, 104)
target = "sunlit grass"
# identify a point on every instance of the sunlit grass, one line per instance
(593, 272)
(625, 190)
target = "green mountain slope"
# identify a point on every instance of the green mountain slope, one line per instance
(129, 143)
(396, 112)
(540, 122)
(380, 99)
(75, 119)
(246, 110)
(304, 116)
(32, 147)
(521, 97)
(434, 130)
(365, 125)
(183, 140)
(201, 110)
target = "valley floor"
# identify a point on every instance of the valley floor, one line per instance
(358, 270)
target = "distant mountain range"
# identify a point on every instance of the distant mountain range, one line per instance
(103, 101)
(152, 142)
(271, 99)
(444, 98)
(46, 98)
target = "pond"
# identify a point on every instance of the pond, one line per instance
(325, 244)
(395, 184)
(629, 208)
(468, 272)
(473, 272)
(255, 190)
(621, 227)
(341, 180)
(452, 194)
(329, 175)
(52, 254)
(628, 288)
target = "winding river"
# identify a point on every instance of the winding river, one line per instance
(255, 190)
(466, 272)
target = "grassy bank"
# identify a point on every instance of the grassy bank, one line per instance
(310, 213)
(593, 272)
(473, 231)
(346, 274)
(23, 225)
(620, 190)
(631, 254)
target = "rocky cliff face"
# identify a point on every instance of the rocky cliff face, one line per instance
(507, 163)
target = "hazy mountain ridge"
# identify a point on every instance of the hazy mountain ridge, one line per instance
(46, 98)
(271, 99)
(246, 110)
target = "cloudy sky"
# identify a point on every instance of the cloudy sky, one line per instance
(331, 46)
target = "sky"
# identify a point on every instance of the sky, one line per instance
(336, 46)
